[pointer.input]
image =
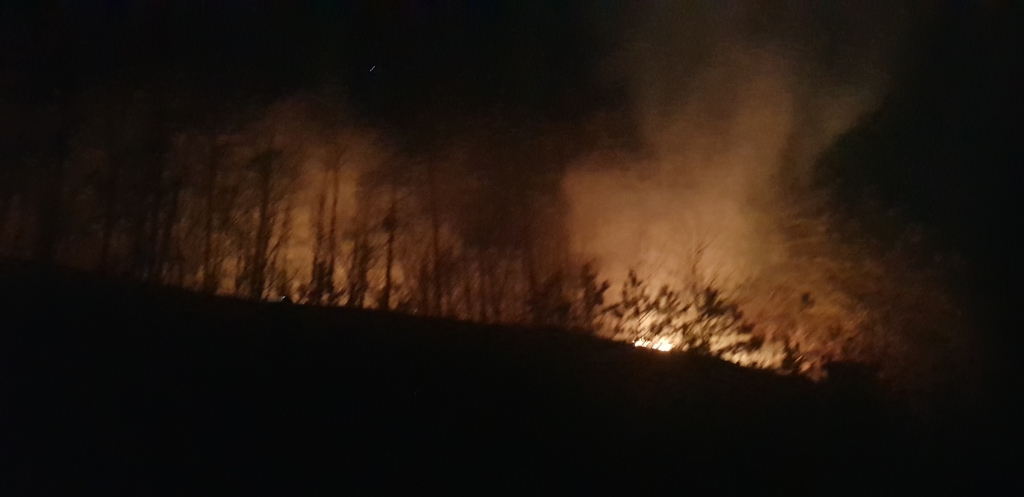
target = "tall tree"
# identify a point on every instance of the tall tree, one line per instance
(211, 258)
(361, 260)
(258, 258)
(51, 161)
(390, 225)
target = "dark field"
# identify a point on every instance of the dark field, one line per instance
(121, 388)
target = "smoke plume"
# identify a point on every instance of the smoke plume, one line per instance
(733, 104)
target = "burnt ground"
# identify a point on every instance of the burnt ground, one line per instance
(116, 387)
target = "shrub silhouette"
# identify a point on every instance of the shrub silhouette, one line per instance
(697, 318)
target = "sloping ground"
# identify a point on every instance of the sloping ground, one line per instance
(118, 387)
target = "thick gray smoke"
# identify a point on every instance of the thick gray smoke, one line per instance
(734, 102)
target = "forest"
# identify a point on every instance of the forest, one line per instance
(296, 200)
(678, 189)
(356, 245)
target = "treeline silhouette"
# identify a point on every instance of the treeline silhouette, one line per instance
(292, 198)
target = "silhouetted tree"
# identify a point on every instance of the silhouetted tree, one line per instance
(267, 193)
(50, 160)
(321, 282)
(360, 260)
(589, 299)
(390, 226)
(321, 288)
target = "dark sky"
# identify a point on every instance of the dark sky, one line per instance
(450, 55)
(946, 146)
(946, 149)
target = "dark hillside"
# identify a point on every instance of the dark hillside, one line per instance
(119, 387)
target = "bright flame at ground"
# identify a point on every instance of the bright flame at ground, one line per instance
(660, 344)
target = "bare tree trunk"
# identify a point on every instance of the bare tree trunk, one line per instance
(209, 283)
(167, 233)
(7, 192)
(264, 227)
(317, 290)
(498, 285)
(150, 265)
(138, 236)
(5, 206)
(332, 241)
(424, 284)
(110, 195)
(435, 248)
(533, 297)
(468, 277)
(5, 203)
(281, 281)
(50, 209)
(358, 282)
(481, 275)
(390, 226)
(51, 198)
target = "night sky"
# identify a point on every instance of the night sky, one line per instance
(945, 149)
(425, 56)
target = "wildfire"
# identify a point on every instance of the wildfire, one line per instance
(659, 344)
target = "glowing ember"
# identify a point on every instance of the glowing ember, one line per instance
(660, 344)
